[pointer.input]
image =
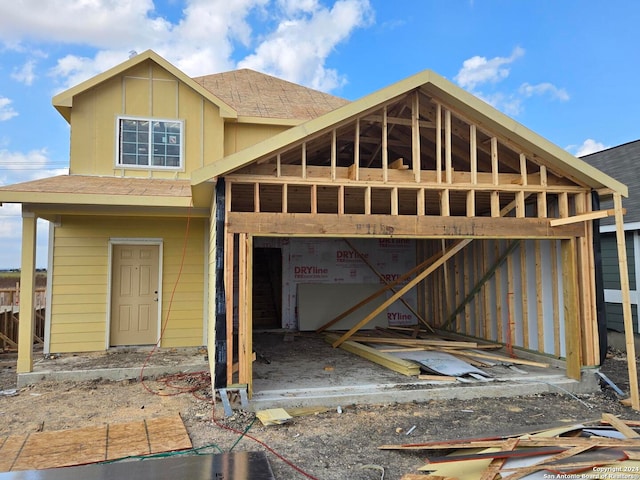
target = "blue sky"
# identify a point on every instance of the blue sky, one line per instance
(567, 70)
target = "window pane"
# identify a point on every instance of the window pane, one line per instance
(139, 138)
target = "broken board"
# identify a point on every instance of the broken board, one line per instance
(78, 446)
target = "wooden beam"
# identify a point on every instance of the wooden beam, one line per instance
(366, 261)
(626, 302)
(398, 121)
(458, 246)
(375, 295)
(303, 160)
(438, 143)
(584, 217)
(385, 148)
(334, 154)
(415, 137)
(573, 337)
(447, 147)
(427, 226)
(356, 151)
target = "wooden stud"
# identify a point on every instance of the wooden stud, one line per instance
(256, 197)
(341, 200)
(626, 303)
(438, 143)
(444, 203)
(303, 160)
(555, 301)
(511, 306)
(314, 199)
(285, 198)
(278, 166)
(539, 296)
(494, 161)
(242, 307)
(447, 146)
(415, 137)
(473, 153)
(446, 305)
(485, 293)
(467, 311)
(563, 205)
(471, 203)
(571, 310)
(498, 295)
(385, 149)
(367, 200)
(524, 294)
(523, 169)
(334, 154)
(591, 347)
(420, 199)
(228, 286)
(356, 150)
(495, 203)
(394, 201)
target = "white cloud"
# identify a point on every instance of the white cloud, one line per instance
(479, 70)
(588, 146)
(6, 110)
(302, 34)
(26, 73)
(100, 23)
(544, 88)
(16, 167)
(297, 50)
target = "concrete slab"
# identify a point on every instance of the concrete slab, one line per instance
(301, 369)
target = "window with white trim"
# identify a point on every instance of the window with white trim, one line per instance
(154, 143)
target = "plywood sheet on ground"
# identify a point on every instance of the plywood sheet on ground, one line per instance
(80, 446)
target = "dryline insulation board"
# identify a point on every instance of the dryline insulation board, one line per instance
(223, 466)
(333, 261)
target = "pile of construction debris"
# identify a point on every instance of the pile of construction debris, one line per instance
(605, 449)
(445, 359)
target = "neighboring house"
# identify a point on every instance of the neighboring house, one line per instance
(184, 195)
(622, 163)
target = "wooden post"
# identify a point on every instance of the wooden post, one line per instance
(27, 290)
(626, 303)
(573, 337)
(356, 150)
(415, 137)
(245, 281)
(385, 149)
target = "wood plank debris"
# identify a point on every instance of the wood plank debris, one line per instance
(576, 450)
(401, 349)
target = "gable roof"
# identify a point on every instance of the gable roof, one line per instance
(482, 114)
(255, 94)
(64, 100)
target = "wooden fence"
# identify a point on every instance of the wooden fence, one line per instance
(10, 317)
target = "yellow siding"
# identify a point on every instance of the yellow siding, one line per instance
(143, 91)
(240, 136)
(137, 97)
(80, 276)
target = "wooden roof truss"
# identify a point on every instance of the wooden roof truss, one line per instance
(410, 156)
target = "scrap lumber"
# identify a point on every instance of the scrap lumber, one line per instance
(413, 342)
(386, 360)
(485, 458)
(500, 358)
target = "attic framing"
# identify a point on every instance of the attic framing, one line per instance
(415, 167)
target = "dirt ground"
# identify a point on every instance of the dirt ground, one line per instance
(327, 446)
